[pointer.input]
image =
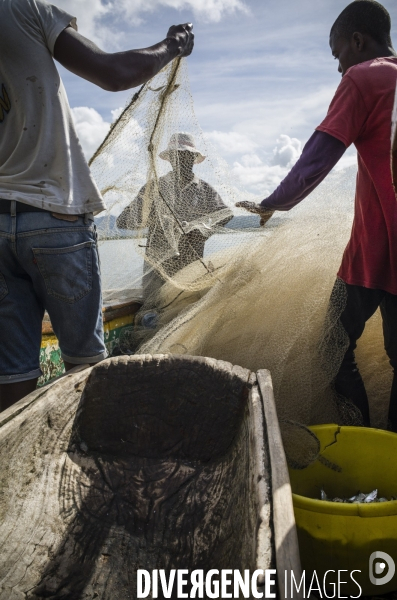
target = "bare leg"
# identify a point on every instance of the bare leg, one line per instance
(68, 366)
(12, 392)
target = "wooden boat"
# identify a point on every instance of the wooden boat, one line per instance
(142, 462)
(118, 315)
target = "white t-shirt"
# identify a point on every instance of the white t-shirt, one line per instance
(41, 159)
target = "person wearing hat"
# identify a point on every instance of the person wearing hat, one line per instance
(183, 212)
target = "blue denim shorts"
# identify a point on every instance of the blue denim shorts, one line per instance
(48, 264)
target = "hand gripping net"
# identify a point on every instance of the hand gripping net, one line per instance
(213, 282)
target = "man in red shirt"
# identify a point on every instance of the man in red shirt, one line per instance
(360, 113)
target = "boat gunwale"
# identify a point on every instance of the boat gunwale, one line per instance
(284, 524)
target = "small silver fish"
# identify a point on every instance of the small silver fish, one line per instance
(358, 498)
(353, 499)
(371, 497)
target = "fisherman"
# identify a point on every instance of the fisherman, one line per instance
(360, 113)
(48, 252)
(183, 212)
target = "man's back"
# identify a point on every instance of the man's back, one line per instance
(371, 86)
(360, 113)
(48, 254)
(41, 159)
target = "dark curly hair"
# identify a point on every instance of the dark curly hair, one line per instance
(364, 16)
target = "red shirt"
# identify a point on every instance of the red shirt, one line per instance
(361, 113)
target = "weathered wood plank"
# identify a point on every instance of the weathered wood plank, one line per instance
(33, 447)
(285, 534)
(261, 465)
(18, 407)
(152, 463)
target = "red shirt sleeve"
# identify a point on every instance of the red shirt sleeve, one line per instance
(347, 113)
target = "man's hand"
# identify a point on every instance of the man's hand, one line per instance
(256, 209)
(184, 36)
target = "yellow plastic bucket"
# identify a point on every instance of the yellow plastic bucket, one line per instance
(344, 537)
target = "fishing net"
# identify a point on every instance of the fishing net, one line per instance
(215, 283)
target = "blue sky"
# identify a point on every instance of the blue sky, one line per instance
(261, 73)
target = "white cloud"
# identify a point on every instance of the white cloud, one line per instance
(91, 128)
(88, 13)
(91, 14)
(259, 176)
(208, 10)
(122, 166)
(287, 151)
(262, 119)
(301, 112)
(116, 113)
(231, 142)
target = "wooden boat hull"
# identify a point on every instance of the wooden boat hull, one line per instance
(160, 462)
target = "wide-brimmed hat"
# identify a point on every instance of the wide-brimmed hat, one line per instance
(182, 141)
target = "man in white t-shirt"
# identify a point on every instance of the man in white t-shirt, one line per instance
(48, 250)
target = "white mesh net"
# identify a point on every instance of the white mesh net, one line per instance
(213, 282)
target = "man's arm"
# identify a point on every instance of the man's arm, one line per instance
(219, 208)
(319, 156)
(207, 223)
(131, 217)
(121, 70)
(216, 213)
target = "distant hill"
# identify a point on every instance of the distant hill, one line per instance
(251, 222)
(107, 228)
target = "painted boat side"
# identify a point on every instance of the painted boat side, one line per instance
(116, 319)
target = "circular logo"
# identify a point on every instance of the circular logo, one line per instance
(381, 568)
